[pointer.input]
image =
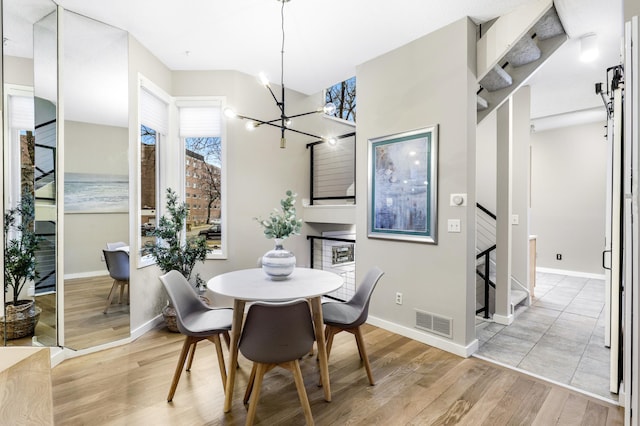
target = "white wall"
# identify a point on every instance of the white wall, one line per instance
(568, 197)
(18, 70)
(429, 81)
(486, 165)
(147, 295)
(92, 148)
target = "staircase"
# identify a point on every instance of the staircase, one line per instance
(486, 268)
(507, 57)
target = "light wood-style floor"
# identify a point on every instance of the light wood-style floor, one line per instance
(415, 384)
(86, 324)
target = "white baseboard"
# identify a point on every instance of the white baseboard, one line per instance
(89, 274)
(571, 273)
(148, 326)
(429, 339)
(60, 354)
(504, 320)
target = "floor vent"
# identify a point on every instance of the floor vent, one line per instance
(434, 323)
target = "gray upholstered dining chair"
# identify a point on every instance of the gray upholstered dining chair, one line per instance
(277, 334)
(118, 265)
(349, 316)
(116, 245)
(197, 322)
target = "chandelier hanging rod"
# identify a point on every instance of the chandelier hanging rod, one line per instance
(284, 121)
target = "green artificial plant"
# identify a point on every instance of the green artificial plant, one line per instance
(169, 251)
(282, 223)
(21, 244)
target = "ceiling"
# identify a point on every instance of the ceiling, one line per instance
(327, 39)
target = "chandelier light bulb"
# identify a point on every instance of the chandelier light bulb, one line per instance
(230, 113)
(329, 108)
(332, 141)
(287, 122)
(251, 125)
(264, 80)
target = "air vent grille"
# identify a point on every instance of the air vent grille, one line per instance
(436, 324)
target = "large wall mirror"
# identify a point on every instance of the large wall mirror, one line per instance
(86, 156)
(30, 177)
(96, 178)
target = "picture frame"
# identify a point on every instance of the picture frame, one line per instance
(403, 187)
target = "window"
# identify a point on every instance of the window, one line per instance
(202, 134)
(154, 117)
(343, 96)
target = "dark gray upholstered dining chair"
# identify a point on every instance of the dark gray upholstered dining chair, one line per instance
(277, 334)
(118, 265)
(197, 322)
(349, 316)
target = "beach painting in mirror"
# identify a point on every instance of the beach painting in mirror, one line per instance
(96, 193)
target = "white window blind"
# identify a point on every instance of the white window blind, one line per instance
(21, 112)
(154, 112)
(204, 121)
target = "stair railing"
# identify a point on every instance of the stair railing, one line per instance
(485, 273)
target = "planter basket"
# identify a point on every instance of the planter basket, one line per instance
(169, 315)
(20, 320)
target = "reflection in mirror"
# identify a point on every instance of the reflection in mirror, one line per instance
(29, 88)
(96, 178)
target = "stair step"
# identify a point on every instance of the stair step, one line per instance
(481, 103)
(523, 52)
(496, 79)
(549, 25)
(518, 296)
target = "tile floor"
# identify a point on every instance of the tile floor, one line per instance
(559, 337)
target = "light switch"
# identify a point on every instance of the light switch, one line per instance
(454, 225)
(515, 219)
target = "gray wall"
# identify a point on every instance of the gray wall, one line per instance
(92, 148)
(407, 89)
(568, 197)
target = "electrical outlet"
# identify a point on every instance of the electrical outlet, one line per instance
(453, 225)
(399, 298)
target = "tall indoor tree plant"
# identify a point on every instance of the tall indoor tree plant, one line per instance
(21, 244)
(173, 250)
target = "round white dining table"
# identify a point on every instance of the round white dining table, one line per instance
(250, 285)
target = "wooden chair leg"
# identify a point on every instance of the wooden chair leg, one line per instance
(192, 354)
(363, 354)
(188, 340)
(111, 294)
(252, 378)
(121, 296)
(128, 293)
(223, 370)
(302, 393)
(251, 413)
(329, 332)
(227, 339)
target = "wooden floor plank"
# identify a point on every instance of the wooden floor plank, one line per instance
(416, 384)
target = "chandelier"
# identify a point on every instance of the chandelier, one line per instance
(284, 121)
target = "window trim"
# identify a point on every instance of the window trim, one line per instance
(208, 101)
(146, 84)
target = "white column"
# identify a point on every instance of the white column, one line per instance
(503, 314)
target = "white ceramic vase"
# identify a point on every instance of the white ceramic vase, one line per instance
(278, 263)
